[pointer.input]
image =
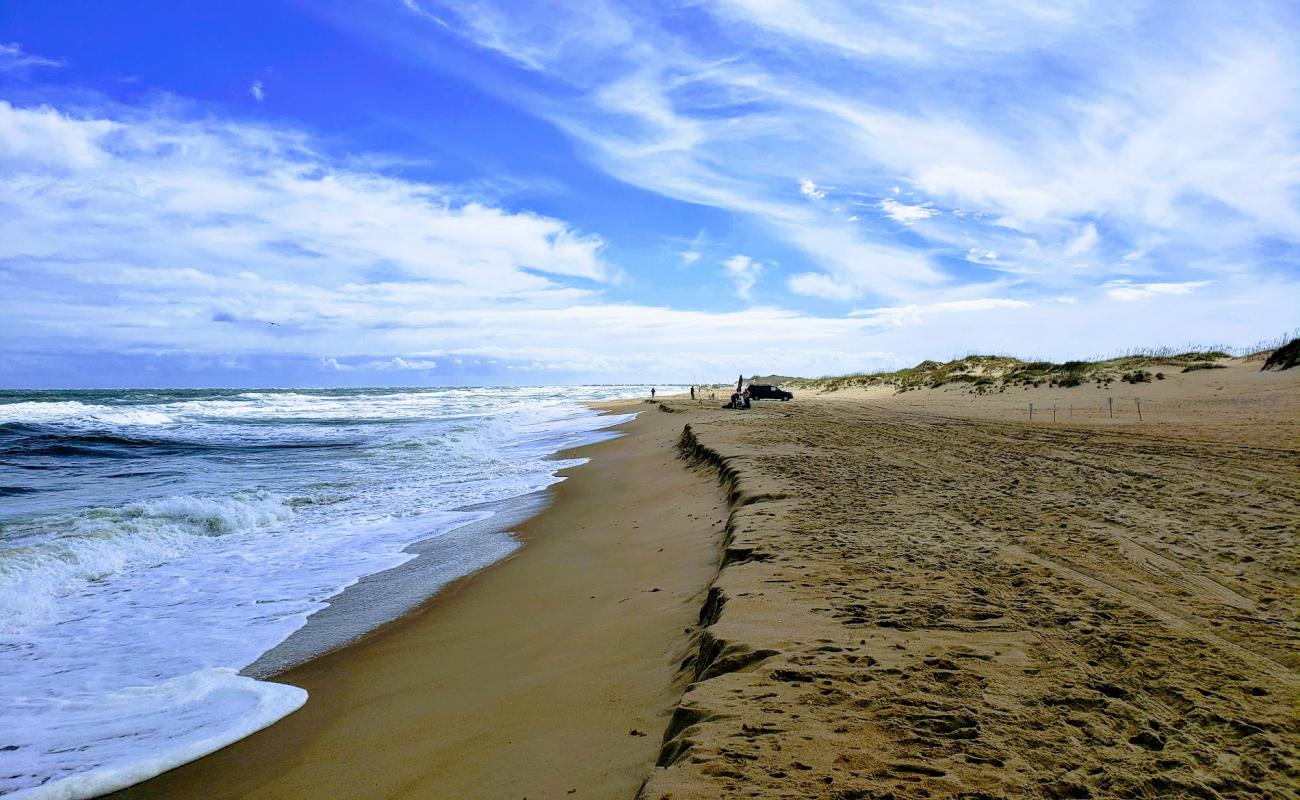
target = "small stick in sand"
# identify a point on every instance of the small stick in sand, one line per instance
(1053, 412)
(1138, 400)
(1110, 401)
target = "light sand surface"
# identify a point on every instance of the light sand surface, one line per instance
(1237, 403)
(925, 595)
(526, 680)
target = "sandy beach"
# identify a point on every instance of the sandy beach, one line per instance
(857, 594)
(552, 671)
(486, 400)
(926, 595)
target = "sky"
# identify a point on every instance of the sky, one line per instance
(409, 192)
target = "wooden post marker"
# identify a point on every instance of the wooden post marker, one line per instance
(1138, 400)
(1110, 401)
(1031, 412)
(1053, 412)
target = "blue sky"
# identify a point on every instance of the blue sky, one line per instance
(425, 193)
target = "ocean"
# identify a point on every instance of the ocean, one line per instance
(154, 544)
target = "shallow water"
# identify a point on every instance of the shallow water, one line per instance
(154, 543)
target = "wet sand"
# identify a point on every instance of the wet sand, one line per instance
(551, 671)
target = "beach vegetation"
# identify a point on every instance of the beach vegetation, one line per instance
(1284, 357)
(981, 374)
(985, 373)
(1266, 349)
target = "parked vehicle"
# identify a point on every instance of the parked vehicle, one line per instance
(766, 391)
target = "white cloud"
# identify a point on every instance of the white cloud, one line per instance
(191, 224)
(577, 31)
(647, 137)
(901, 212)
(1127, 292)
(13, 58)
(1086, 240)
(743, 272)
(397, 362)
(815, 284)
(257, 91)
(38, 139)
(1191, 139)
(202, 231)
(416, 8)
(855, 267)
(693, 250)
(915, 314)
(810, 189)
(910, 32)
(155, 191)
(977, 256)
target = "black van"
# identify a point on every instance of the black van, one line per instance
(766, 391)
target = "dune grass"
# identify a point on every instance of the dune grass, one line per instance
(995, 373)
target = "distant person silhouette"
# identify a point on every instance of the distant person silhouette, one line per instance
(652, 392)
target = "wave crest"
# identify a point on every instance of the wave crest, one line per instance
(55, 556)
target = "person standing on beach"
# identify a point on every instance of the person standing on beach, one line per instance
(652, 392)
(692, 392)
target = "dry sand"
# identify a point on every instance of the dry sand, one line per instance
(922, 595)
(927, 596)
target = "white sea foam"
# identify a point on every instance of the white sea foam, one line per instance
(80, 414)
(48, 558)
(135, 580)
(139, 732)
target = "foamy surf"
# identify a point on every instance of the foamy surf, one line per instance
(139, 732)
(154, 544)
(62, 553)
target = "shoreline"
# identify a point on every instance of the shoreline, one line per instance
(378, 599)
(460, 696)
(381, 598)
